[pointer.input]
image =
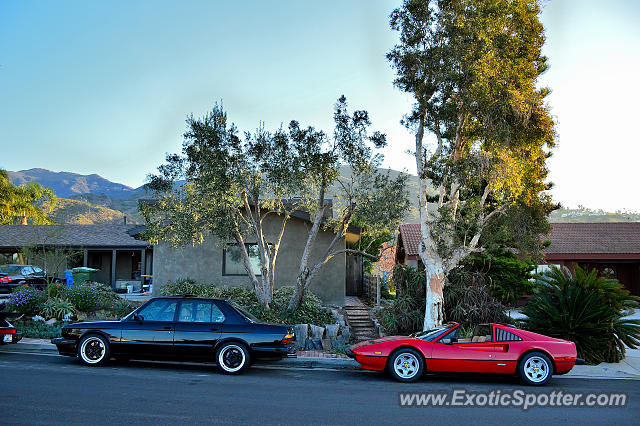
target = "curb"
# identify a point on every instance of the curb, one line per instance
(301, 362)
(29, 347)
(309, 362)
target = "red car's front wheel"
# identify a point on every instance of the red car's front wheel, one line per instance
(406, 365)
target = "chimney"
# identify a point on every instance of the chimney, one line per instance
(124, 218)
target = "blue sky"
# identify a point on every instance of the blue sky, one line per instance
(104, 87)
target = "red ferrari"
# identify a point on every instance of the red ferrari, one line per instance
(493, 348)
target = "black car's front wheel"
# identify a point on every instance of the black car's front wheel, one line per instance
(232, 357)
(93, 350)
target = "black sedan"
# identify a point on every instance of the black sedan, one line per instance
(180, 328)
(24, 274)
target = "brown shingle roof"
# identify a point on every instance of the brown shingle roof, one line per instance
(12, 236)
(596, 238)
(411, 237)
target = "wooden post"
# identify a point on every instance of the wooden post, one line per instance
(143, 263)
(86, 258)
(377, 290)
(113, 268)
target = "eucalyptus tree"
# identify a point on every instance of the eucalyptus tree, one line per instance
(482, 128)
(232, 184)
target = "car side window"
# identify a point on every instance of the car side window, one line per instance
(199, 311)
(159, 310)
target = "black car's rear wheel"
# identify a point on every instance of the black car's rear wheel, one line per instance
(93, 350)
(406, 365)
(232, 358)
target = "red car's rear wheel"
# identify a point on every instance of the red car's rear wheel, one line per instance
(406, 365)
(535, 369)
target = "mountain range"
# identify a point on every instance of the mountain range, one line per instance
(67, 184)
(87, 199)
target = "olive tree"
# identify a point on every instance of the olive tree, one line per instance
(231, 184)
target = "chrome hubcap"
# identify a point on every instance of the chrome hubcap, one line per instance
(536, 369)
(92, 350)
(231, 358)
(406, 365)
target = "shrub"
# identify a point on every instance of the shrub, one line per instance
(507, 277)
(586, 309)
(89, 296)
(467, 299)
(55, 289)
(26, 300)
(406, 314)
(57, 308)
(38, 329)
(311, 310)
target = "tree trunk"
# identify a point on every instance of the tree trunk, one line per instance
(299, 291)
(434, 298)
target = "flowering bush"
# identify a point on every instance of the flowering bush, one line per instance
(26, 300)
(89, 296)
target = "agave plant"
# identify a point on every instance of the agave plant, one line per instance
(57, 307)
(587, 309)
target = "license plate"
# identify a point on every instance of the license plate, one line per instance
(8, 338)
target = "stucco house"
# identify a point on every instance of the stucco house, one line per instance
(217, 262)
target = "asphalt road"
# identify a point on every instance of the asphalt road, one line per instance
(46, 389)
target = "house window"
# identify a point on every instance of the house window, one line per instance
(232, 263)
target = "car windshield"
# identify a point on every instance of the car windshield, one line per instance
(429, 334)
(243, 310)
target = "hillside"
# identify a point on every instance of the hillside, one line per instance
(584, 215)
(76, 212)
(93, 199)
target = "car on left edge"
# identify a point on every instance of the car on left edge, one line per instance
(8, 333)
(25, 274)
(180, 328)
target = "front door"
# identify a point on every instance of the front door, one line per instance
(150, 333)
(198, 329)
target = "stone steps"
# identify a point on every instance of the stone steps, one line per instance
(362, 328)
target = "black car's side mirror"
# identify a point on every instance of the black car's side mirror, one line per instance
(138, 318)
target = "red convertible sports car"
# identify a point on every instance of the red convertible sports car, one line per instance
(493, 348)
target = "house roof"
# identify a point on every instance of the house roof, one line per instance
(411, 236)
(12, 236)
(607, 238)
(594, 238)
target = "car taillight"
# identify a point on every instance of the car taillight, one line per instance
(8, 331)
(5, 280)
(288, 338)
